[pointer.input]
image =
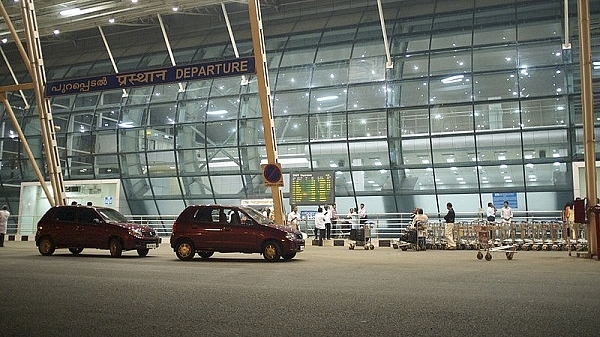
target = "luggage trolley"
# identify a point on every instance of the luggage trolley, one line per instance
(413, 237)
(484, 239)
(361, 237)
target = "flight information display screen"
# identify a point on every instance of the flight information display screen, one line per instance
(312, 188)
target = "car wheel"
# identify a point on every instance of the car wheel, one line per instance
(289, 256)
(185, 250)
(205, 255)
(46, 246)
(115, 247)
(143, 251)
(271, 251)
(75, 250)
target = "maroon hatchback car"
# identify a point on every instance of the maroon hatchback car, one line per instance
(205, 229)
(78, 227)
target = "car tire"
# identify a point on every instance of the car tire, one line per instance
(46, 246)
(289, 256)
(271, 251)
(205, 255)
(116, 248)
(75, 250)
(143, 251)
(185, 250)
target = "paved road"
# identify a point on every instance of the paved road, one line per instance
(325, 291)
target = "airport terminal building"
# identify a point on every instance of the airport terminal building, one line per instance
(453, 100)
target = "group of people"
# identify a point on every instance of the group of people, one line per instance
(327, 218)
(506, 213)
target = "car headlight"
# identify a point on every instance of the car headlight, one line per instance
(136, 232)
(290, 236)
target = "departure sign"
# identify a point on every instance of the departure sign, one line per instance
(317, 188)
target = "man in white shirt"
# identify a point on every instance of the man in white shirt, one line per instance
(362, 214)
(319, 224)
(293, 218)
(327, 222)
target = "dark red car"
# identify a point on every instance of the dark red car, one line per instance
(78, 227)
(205, 229)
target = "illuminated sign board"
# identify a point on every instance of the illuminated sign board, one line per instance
(233, 67)
(314, 188)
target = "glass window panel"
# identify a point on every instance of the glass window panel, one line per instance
(409, 44)
(451, 89)
(132, 117)
(496, 58)
(192, 162)
(367, 69)
(137, 188)
(417, 179)
(551, 175)
(536, 29)
(209, 52)
(369, 155)
(83, 122)
(328, 126)
(297, 57)
(192, 111)
(222, 108)
(131, 140)
(416, 151)
(408, 93)
(366, 97)
(223, 160)
(221, 133)
(293, 157)
(540, 55)
(273, 59)
(304, 40)
(229, 185)
(451, 119)
(285, 103)
(250, 106)
(161, 163)
(459, 149)
(368, 48)
(290, 129)
(78, 71)
(275, 43)
(106, 142)
(86, 101)
(413, 122)
(253, 157)
(508, 177)
(127, 64)
(61, 104)
(499, 147)
(165, 187)
(330, 74)
(160, 115)
(338, 35)
(545, 112)
(542, 82)
(224, 86)
(451, 40)
(493, 35)
(160, 138)
(454, 62)
(154, 60)
(329, 155)
(456, 178)
(107, 119)
(132, 164)
(379, 180)
(336, 52)
(542, 144)
(368, 125)
(411, 67)
(294, 78)
(139, 95)
(495, 116)
(165, 93)
(447, 22)
(110, 98)
(101, 68)
(197, 89)
(328, 100)
(489, 87)
(184, 56)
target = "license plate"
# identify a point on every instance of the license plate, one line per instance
(301, 248)
(151, 245)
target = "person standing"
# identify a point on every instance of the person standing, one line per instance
(449, 229)
(334, 217)
(4, 214)
(327, 222)
(293, 218)
(491, 213)
(319, 224)
(506, 213)
(362, 215)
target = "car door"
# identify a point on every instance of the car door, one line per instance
(95, 231)
(239, 235)
(205, 228)
(65, 231)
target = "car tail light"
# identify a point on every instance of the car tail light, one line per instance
(174, 227)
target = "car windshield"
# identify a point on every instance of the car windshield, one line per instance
(111, 215)
(256, 215)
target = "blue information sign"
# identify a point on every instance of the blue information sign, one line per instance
(233, 67)
(500, 198)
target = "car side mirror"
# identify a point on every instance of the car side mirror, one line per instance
(96, 221)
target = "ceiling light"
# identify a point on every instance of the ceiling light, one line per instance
(70, 12)
(175, 8)
(4, 40)
(453, 79)
(327, 98)
(56, 31)
(111, 20)
(216, 112)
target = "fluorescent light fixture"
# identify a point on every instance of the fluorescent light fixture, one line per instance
(56, 31)
(333, 165)
(111, 20)
(453, 79)
(4, 40)
(327, 98)
(126, 124)
(216, 112)
(71, 12)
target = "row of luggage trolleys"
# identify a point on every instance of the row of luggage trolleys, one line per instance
(535, 235)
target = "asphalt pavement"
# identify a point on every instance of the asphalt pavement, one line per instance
(324, 291)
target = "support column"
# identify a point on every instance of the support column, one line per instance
(264, 92)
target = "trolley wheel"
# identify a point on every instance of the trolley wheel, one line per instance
(479, 255)
(488, 257)
(351, 246)
(509, 256)
(404, 248)
(366, 247)
(371, 247)
(395, 245)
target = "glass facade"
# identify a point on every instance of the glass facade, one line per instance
(480, 100)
